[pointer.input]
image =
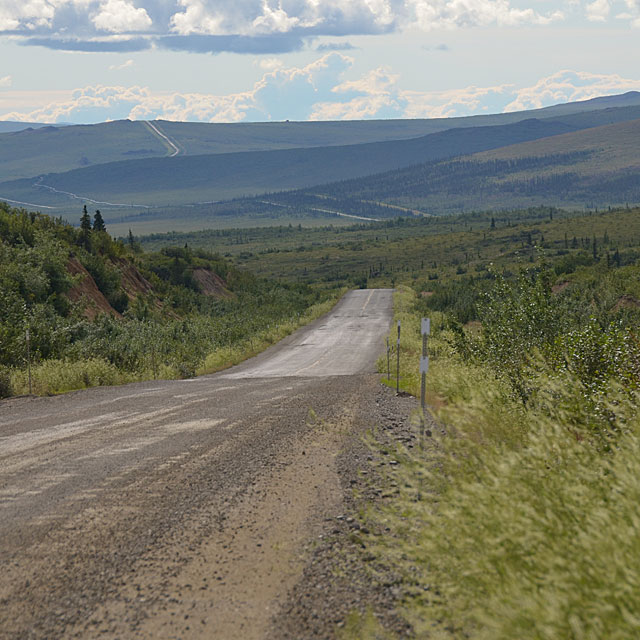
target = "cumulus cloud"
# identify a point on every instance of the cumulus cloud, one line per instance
(280, 94)
(247, 26)
(598, 10)
(5, 82)
(269, 64)
(633, 13)
(118, 67)
(320, 91)
(120, 16)
(568, 86)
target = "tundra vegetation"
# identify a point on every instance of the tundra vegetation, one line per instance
(518, 516)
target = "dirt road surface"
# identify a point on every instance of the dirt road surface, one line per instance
(181, 509)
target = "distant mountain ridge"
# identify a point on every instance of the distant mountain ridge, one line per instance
(183, 179)
(9, 126)
(591, 168)
(45, 149)
(272, 156)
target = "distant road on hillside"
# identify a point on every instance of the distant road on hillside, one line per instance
(171, 143)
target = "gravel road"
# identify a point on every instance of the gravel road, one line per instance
(184, 509)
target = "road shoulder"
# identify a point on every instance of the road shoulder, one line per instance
(341, 580)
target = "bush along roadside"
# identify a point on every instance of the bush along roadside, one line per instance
(99, 311)
(522, 520)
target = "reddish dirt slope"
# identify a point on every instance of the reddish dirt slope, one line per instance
(211, 284)
(87, 293)
(133, 282)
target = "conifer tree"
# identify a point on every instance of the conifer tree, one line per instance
(98, 222)
(85, 229)
(85, 220)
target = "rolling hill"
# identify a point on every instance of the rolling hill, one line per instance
(183, 179)
(172, 181)
(34, 151)
(592, 168)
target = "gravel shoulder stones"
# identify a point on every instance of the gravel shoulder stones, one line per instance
(341, 576)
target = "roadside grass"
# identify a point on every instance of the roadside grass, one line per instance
(56, 376)
(59, 376)
(519, 522)
(228, 356)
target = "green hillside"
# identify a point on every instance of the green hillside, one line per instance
(100, 311)
(593, 168)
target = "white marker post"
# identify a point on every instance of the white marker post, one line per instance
(424, 368)
(388, 362)
(398, 361)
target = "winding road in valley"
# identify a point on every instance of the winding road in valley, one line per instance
(173, 509)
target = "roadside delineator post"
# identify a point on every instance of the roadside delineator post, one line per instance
(424, 368)
(398, 361)
(29, 360)
(388, 359)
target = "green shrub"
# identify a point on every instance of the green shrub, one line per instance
(6, 389)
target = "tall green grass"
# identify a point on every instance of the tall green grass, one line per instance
(523, 521)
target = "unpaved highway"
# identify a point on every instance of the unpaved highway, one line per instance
(180, 509)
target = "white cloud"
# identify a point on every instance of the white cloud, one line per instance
(118, 67)
(269, 64)
(318, 91)
(120, 16)
(568, 86)
(56, 22)
(5, 82)
(633, 15)
(598, 10)
(457, 102)
(25, 15)
(449, 14)
(280, 94)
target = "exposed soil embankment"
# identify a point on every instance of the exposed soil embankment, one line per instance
(85, 292)
(211, 284)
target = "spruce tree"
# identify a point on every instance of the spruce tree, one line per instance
(85, 220)
(98, 222)
(85, 229)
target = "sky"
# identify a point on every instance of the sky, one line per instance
(86, 61)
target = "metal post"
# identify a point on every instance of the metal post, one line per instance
(153, 361)
(423, 385)
(398, 361)
(388, 360)
(29, 360)
(424, 367)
